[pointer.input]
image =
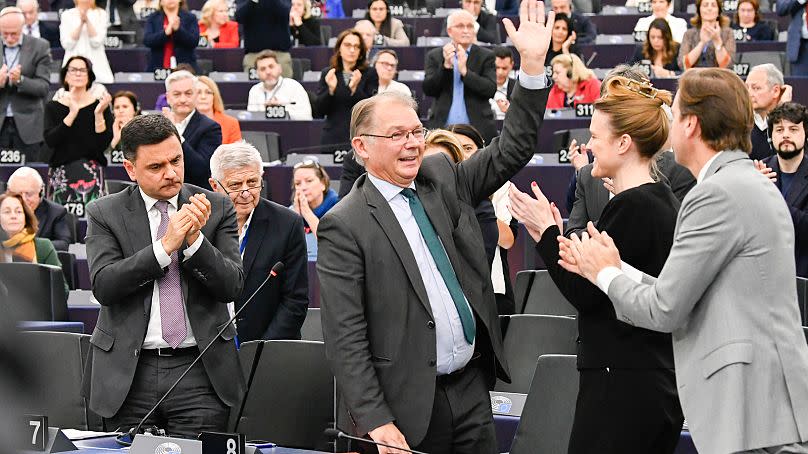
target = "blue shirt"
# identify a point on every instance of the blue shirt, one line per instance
(457, 111)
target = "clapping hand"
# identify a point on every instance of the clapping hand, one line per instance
(331, 80)
(15, 75)
(103, 103)
(536, 214)
(533, 37)
(565, 46)
(448, 55)
(356, 76)
(578, 155)
(169, 114)
(462, 60)
(3, 75)
(588, 255)
(765, 170)
(198, 209)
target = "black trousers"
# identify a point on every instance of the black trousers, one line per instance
(10, 140)
(461, 421)
(624, 411)
(191, 408)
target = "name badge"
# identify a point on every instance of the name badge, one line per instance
(116, 157)
(639, 36)
(252, 74)
(222, 443)
(741, 69)
(112, 42)
(339, 155)
(203, 42)
(34, 433)
(644, 7)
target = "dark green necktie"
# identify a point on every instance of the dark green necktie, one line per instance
(442, 262)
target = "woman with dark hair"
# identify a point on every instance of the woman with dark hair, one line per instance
(304, 26)
(747, 24)
(659, 50)
(125, 107)
(507, 226)
(19, 226)
(627, 395)
(390, 28)
(563, 38)
(171, 34)
(312, 195)
(345, 82)
(710, 43)
(78, 128)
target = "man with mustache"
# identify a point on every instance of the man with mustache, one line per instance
(789, 171)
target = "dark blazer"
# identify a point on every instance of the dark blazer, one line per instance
(794, 9)
(509, 89)
(122, 271)
(202, 137)
(186, 38)
(488, 32)
(761, 147)
(797, 201)
(54, 224)
(27, 98)
(507, 8)
(591, 196)
(308, 34)
(127, 17)
(479, 85)
(275, 234)
(336, 108)
(50, 32)
(585, 30)
(265, 24)
(377, 320)
(350, 172)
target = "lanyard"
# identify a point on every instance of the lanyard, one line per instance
(270, 95)
(16, 55)
(243, 244)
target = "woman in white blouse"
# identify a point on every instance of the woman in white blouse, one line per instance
(82, 32)
(660, 9)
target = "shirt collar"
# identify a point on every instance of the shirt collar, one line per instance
(247, 223)
(703, 171)
(388, 190)
(150, 201)
(184, 123)
(19, 43)
(761, 122)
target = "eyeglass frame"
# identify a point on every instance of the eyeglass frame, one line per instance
(239, 192)
(406, 135)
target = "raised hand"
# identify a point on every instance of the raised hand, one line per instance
(448, 55)
(533, 37)
(462, 60)
(765, 170)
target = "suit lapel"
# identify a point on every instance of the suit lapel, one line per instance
(190, 128)
(380, 210)
(799, 185)
(259, 225)
(183, 198)
(136, 221)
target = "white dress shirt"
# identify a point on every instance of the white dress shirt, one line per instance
(288, 91)
(184, 124)
(32, 30)
(154, 332)
(677, 24)
(607, 275)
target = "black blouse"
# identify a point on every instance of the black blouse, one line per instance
(308, 33)
(760, 32)
(79, 141)
(641, 222)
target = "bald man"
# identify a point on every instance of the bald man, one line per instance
(24, 83)
(462, 77)
(33, 27)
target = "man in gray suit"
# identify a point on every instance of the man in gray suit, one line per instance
(24, 84)
(409, 315)
(727, 291)
(164, 263)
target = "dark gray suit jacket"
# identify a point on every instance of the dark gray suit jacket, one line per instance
(377, 320)
(591, 196)
(123, 269)
(54, 224)
(27, 97)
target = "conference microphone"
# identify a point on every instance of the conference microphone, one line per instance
(336, 433)
(276, 269)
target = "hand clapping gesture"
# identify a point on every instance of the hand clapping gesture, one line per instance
(536, 214)
(356, 76)
(331, 80)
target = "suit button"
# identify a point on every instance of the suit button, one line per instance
(430, 324)
(136, 352)
(431, 362)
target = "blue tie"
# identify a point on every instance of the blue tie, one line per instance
(442, 262)
(457, 111)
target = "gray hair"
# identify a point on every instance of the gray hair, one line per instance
(362, 114)
(33, 2)
(234, 156)
(24, 172)
(774, 77)
(364, 23)
(460, 12)
(179, 75)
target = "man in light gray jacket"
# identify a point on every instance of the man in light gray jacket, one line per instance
(727, 291)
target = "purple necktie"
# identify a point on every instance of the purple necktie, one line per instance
(172, 314)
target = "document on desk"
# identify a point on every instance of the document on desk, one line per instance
(75, 434)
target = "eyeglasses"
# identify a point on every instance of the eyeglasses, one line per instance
(387, 65)
(403, 136)
(351, 46)
(307, 163)
(77, 70)
(240, 190)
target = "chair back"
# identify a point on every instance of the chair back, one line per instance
(35, 291)
(536, 293)
(312, 328)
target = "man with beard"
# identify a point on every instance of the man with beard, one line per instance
(789, 171)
